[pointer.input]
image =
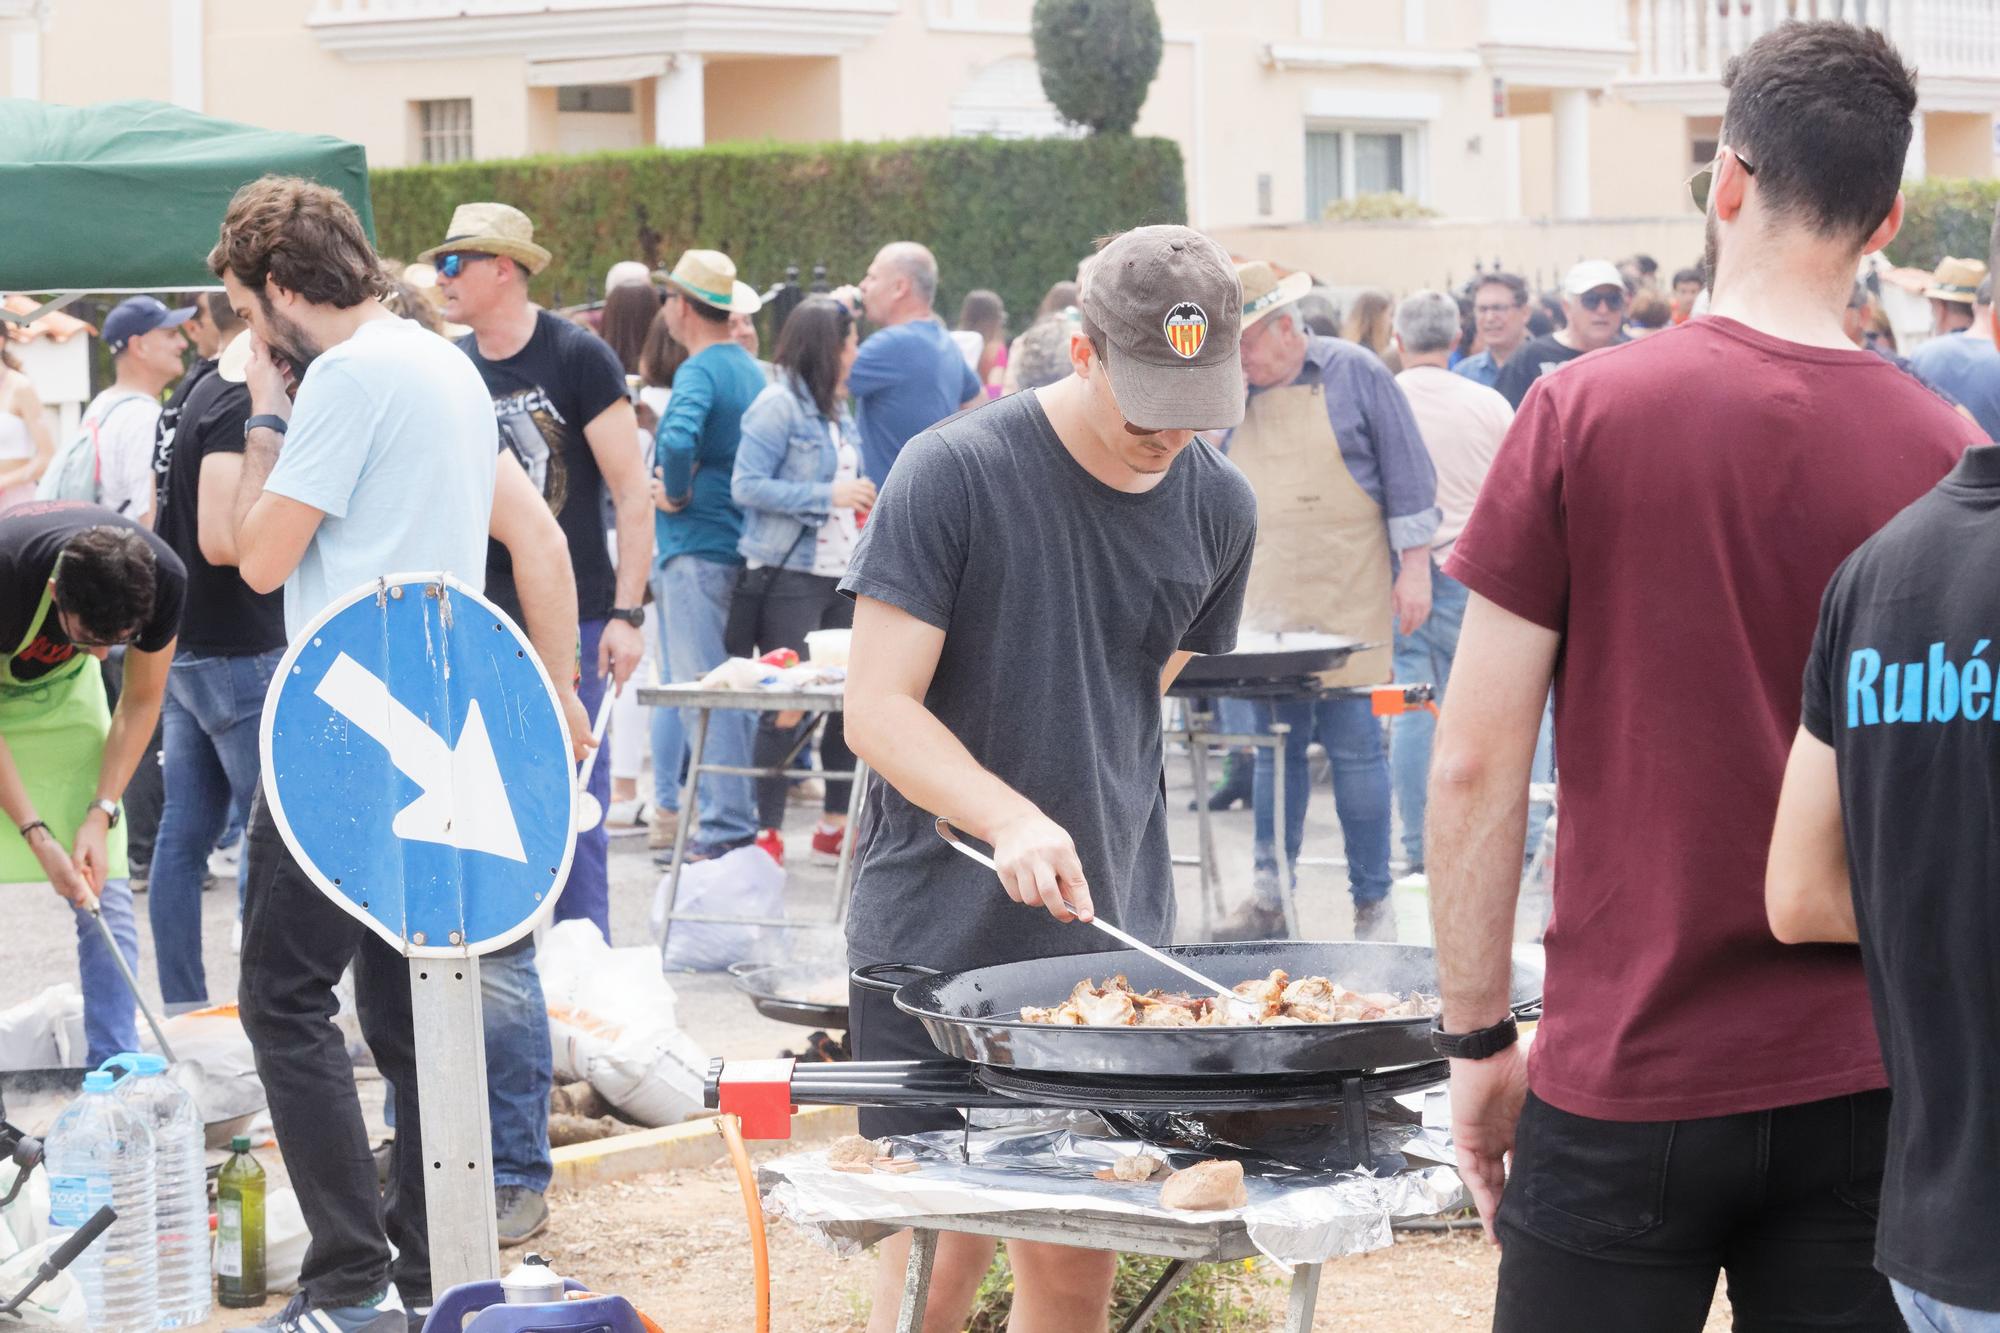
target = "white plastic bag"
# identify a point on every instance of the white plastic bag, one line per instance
(45, 1032)
(745, 882)
(55, 1304)
(215, 1064)
(612, 1023)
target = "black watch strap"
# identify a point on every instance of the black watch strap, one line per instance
(265, 421)
(632, 615)
(1474, 1045)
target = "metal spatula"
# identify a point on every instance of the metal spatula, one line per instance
(950, 835)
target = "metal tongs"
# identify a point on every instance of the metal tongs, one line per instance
(950, 835)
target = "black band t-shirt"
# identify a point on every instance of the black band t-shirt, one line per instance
(32, 536)
(544, 395)
(1061, 600)
(225, 617)
(1903, 683)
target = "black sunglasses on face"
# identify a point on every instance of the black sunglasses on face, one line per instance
(1703, 181)
(1601, 299)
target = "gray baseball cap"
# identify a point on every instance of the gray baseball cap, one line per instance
(1171, 310)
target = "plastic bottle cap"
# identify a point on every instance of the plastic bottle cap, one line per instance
(150, 1064)
(98, 1080)
(241, 1143)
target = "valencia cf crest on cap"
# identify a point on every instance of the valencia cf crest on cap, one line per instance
(1187, 329)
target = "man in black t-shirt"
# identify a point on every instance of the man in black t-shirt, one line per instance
(559, 394)
(231, 640)
(77, 580)
(1594, 301)
(1886, 835)
(1038, 571)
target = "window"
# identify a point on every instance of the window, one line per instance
(1343, 162)
(444, 130)
(605, 98)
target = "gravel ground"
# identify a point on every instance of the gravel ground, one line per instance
(675, 1242)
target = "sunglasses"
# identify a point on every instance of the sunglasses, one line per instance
(70, 624)
(451, 265)
(1599, 299)
(1703, 181)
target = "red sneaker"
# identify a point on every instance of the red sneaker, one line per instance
(773, 843)
(826, 844)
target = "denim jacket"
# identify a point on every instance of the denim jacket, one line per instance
(785, 466)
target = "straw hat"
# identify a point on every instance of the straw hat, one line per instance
(1956, 280)
(709, 276)
(1264, 291)
(491, 229)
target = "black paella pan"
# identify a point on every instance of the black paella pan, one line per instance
(975, 1015)
(800, 993)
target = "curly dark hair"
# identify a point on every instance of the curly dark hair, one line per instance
(107, 580)
(301, 235)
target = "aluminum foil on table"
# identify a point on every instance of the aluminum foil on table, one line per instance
(1046, 1162)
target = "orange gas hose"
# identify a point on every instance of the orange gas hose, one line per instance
(731, 1129)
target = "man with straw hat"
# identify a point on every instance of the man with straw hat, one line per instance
(1961, 360)
(1350, 504)
(560, 403)
(1954, 287)
(698, 525)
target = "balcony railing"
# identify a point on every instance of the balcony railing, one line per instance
(1695, 39)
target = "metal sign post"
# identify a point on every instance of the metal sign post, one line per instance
(418, 766)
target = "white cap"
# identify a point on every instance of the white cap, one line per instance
(627, 270)
(1592, 274)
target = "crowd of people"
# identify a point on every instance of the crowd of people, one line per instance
(1601, 521)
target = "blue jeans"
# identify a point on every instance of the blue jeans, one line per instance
(1423, 658)
(1925, 1315)
(1346, 725)
(669, 736)
(586, 894)
(110, 1021)
(211, 763)
(697, 611)
(519, 1065)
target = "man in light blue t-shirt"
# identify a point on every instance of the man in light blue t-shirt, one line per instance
(1965, 363)
(909, 375)
(387, 462)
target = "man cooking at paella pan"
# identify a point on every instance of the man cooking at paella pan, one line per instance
(1033, 577)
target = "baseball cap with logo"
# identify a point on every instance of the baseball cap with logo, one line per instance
(140, 314)
(1591, 274)
(1170, 308)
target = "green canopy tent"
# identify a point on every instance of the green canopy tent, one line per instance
(128, 196)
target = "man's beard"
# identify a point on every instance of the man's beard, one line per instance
(289, 342)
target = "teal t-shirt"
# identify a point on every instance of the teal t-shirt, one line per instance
(695, 450)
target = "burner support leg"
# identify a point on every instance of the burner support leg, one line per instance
(1354, 1119)
(1175, 1274)
(917, 1281)
(1199, 726)
(1305, 1296)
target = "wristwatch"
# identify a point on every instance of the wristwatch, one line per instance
(110, 809)
(1474, 1045)
(265, 421)
(634, 616)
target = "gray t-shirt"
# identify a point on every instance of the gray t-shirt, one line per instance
(1061, 600)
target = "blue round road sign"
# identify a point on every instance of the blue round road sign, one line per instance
(418, 765)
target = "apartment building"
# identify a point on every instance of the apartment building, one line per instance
(1478, 109)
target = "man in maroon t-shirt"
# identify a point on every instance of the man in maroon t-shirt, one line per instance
(1655, 535)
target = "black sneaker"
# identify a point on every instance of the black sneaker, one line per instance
(522, 1213)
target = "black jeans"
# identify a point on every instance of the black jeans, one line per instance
(296, 943)
(1608, 1224)
(789, 605)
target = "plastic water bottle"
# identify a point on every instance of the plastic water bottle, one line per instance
(239, 1231)
(180, 1184)
(100, 1152)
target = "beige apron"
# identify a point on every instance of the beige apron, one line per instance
(1321, 562)
(54, 726)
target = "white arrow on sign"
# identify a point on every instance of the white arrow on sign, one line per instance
(463, 802)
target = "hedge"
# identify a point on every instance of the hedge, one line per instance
(1945, 217)
(1012, 215)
